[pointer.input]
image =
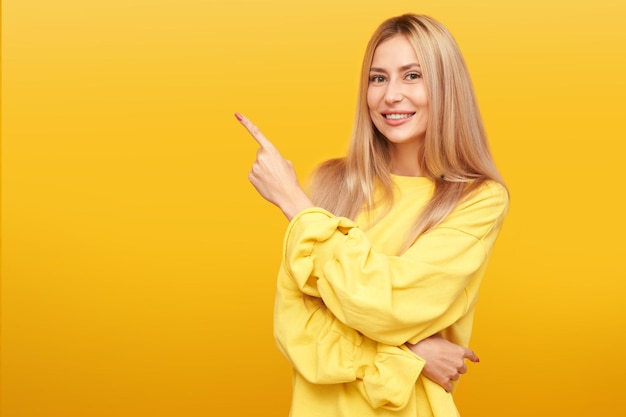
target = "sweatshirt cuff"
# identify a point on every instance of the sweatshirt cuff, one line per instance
(389, 374)
(309, 230)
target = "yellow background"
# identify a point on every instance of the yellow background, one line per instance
(138, 263)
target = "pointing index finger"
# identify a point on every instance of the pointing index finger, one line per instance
(254, 131)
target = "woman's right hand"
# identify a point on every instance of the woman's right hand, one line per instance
(445, 361)
(273, 176)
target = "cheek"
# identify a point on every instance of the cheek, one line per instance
(422, 96)
(372, 102)
(424, 109)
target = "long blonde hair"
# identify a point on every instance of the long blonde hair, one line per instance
(455, 154)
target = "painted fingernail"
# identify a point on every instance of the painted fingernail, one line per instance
(238, 116)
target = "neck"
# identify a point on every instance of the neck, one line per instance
(405, 159)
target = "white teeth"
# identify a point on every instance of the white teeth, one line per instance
(396, 116)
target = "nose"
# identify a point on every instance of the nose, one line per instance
(394, 92)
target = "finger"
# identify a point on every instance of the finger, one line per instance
(469, 354)
(462, 369)
(254, 131)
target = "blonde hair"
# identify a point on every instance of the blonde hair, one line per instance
(455, 154)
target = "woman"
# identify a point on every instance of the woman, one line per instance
(385, 258)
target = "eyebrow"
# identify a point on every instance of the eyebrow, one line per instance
(402, 68)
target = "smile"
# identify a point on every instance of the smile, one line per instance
(397, 116)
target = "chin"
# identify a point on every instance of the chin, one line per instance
(397, 139)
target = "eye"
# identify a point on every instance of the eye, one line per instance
(413, 76)
(377, 79)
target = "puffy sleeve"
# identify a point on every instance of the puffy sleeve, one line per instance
(323, 350)
(395, 299)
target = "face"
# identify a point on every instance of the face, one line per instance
(396, 95)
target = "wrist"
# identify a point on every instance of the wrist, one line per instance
(297, 202)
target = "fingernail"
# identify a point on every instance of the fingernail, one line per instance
(477, 359)
(238, 116)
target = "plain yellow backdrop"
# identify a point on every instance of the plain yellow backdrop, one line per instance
(138, 264)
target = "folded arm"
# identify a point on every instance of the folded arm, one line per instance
(395, 299)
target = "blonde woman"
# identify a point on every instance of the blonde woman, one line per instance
(384, 258)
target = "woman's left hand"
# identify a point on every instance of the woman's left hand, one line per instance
(273, 176)
(445, 361)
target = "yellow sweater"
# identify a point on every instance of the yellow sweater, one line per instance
(346, 302)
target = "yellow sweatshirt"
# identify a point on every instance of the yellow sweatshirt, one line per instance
(346, 302)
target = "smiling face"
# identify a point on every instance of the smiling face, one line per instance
(396, 95)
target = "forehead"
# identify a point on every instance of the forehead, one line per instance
(394, 52)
